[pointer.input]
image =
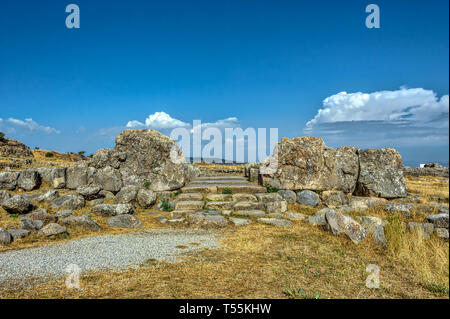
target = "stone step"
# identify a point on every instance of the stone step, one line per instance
(189, 196)
(225, 178)
(219, 205)
(217, 181)
(189, 205)
(247, 206)
(218, 188)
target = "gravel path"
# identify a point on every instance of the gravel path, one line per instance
(106, 252)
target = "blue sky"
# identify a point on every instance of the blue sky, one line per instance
(265, 63)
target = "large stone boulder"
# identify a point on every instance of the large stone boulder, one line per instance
(125, 221)
(4, 195)
(339, 223)
(68, 201)
(8, 180)
(77, 176)
(108, 178)
(5, 237)
(307, 163)
(113, 209)
(79, 221)
(17, 204)
(15, 148)
(308, 198)
(52, 229)
(151, 157)
(381, 174)
(29, 180)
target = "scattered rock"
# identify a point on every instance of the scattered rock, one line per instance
(5, 237)
(339, 223)
(126, 195)
(276, 207)
(146, 198)
(68, 201)
(8, 180)
(240, 221)
(275, 222)
(295, 216)
(439, 220)
(79, 221)
(58, 177)
(17, 204)
(64, 213)
(47, 196)
(106, 194)
(19, 233)
(162, 219)
(441, 233)
(319, 217)
(333, 199)
(95, 202)
(125, 221)
(288, 195)
(89, 192)
(374, 226)
(42, 215)
(4, 195)
(308, 198)
(426, 229)
(113, 209)
(29, 224)
(52, 229)
(402, 208)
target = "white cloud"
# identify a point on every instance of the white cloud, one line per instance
(412, 105)
(385, 118)
(27, 125)
(158, 121)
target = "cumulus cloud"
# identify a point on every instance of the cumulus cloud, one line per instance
(385, 118)
(411, 105)
(27, 126)
(158, 121)
(163, 121)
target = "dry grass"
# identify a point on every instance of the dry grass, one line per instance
(261, 261)
(257, 261)
(428, 187)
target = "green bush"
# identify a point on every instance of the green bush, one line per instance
(81, 153)
(49, 154)
(2, 135)
(147, 184)
(271, 189)
(227, 191)
(165, 206)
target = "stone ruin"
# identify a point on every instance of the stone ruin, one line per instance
(146, 169)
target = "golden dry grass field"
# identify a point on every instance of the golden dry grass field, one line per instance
(262, 261)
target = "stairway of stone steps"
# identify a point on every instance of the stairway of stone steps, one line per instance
(230, 196)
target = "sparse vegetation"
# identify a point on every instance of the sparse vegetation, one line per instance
(271, 189)
(49, 154)
(165, 206)
(81, 153)
(227, 191)
(2, 135)
(147, 184)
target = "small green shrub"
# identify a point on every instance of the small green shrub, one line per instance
(300, 294)
(14, 215)
(271, 189)
(165, 206)
(2, 135)
(227, 191)
(147, 184)
(81, 153)
(49, 154)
